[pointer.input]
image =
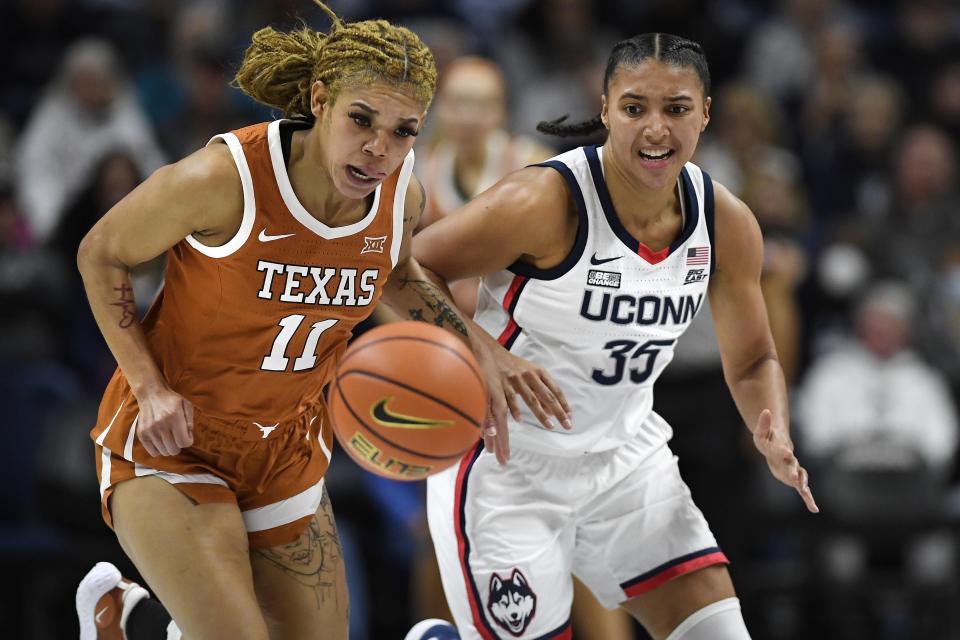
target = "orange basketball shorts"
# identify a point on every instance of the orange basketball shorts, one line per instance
(272, 472)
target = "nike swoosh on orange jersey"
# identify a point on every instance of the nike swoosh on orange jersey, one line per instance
(263, 237)
(387, 418)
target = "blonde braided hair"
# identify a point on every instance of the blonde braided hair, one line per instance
(279, 68)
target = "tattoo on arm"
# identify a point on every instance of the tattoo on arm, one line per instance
(423, 205)
(127, 306)
(315, 559)
(435, 301)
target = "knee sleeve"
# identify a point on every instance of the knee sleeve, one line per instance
(718, 621)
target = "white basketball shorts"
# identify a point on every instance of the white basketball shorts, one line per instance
(509, 537)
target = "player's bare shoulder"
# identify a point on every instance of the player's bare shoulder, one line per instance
(208, 183)
(534, 200)
(738, 238)
(201, 195)
(535, 188)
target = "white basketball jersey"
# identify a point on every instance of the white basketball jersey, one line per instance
(604, 322)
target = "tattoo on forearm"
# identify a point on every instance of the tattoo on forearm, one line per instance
(127, 306)
(435, 301)
(315, 558)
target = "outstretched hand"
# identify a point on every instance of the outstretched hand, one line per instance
(777, 448)
(531, 383)
(509, 377)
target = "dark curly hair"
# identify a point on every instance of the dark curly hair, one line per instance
(664, 47)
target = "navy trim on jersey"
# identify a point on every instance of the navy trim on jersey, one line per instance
(524, 269)
(606, 202)
(709, 217)
(693, 210)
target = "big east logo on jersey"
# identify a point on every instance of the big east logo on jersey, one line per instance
(512, 602)
(318, 285)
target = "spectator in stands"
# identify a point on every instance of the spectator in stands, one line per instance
(924, 40)
(470, 149)
(745, 132)
(87, 110)
(847, 163)
(874, 400)
(555, 57)
(921, 224)
(780, 57)
(115, 175)
(945, 98)
(882, 428)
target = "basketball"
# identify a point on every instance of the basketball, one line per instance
(408, 400)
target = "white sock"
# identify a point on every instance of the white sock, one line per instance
(721, 620)
(132, 594)
(173, 631)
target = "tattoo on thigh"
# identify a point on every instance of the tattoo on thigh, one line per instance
(315, 558)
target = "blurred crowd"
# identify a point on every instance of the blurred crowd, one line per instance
(838, 123)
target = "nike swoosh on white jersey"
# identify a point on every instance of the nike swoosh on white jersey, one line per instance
(263, 237)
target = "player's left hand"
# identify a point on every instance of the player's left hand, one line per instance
(775, 445)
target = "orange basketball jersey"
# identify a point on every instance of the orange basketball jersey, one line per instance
(250, 332)
(253, 329)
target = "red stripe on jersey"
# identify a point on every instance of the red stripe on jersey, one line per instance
(651, 256)
(508, 331)
(509, 304)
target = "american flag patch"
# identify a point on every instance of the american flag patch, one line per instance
(698, 255)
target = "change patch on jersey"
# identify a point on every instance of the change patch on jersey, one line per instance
(598, 278)
(512, 603)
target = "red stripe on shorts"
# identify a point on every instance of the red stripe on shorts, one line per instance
(670, 571)
(463, 545)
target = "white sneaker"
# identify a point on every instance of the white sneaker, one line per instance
(104, 600)
(433, 629)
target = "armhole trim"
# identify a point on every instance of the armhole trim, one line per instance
(576, 252)
(249, 204)
(399, 196)
(710, 218)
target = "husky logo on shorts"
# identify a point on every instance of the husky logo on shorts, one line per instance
(512, 603)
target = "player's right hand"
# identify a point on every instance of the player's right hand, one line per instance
(165, 425)
(535, 386)
(496, 437)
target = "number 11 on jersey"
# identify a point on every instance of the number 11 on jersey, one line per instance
(277, 360)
